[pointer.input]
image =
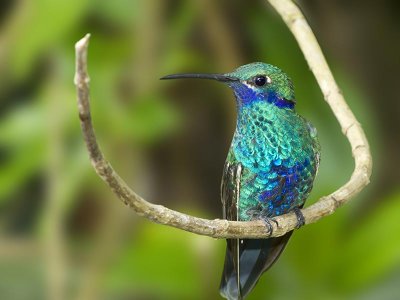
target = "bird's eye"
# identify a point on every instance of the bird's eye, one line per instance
(261, 80)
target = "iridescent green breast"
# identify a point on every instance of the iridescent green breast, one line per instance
(279, 154)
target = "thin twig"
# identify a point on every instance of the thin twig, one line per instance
(231, 229)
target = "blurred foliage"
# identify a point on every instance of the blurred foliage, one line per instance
(64, 236)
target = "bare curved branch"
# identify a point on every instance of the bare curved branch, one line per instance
(231, 229)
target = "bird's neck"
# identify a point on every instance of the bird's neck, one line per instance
(261, 116)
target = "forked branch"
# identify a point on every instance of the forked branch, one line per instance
(231, 229)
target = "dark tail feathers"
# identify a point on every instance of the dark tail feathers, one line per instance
(255, 257)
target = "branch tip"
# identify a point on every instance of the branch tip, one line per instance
(83, 42)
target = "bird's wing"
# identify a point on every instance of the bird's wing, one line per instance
(230, 192)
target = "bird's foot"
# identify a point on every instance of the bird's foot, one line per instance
(257, 214)
(268, 222)
(300, 217)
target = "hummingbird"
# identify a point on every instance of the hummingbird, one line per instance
(269, 171)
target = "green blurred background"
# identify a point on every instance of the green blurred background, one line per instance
(63, 235)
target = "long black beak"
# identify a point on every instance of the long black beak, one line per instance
(218, 77)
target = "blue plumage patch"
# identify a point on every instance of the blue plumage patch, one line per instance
(247, 96)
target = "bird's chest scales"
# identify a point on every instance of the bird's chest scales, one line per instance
(266, 137)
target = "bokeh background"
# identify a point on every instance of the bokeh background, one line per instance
(63, 235)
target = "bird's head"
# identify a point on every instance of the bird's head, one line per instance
(254, 82)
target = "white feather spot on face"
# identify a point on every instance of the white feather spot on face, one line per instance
(252, 87)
